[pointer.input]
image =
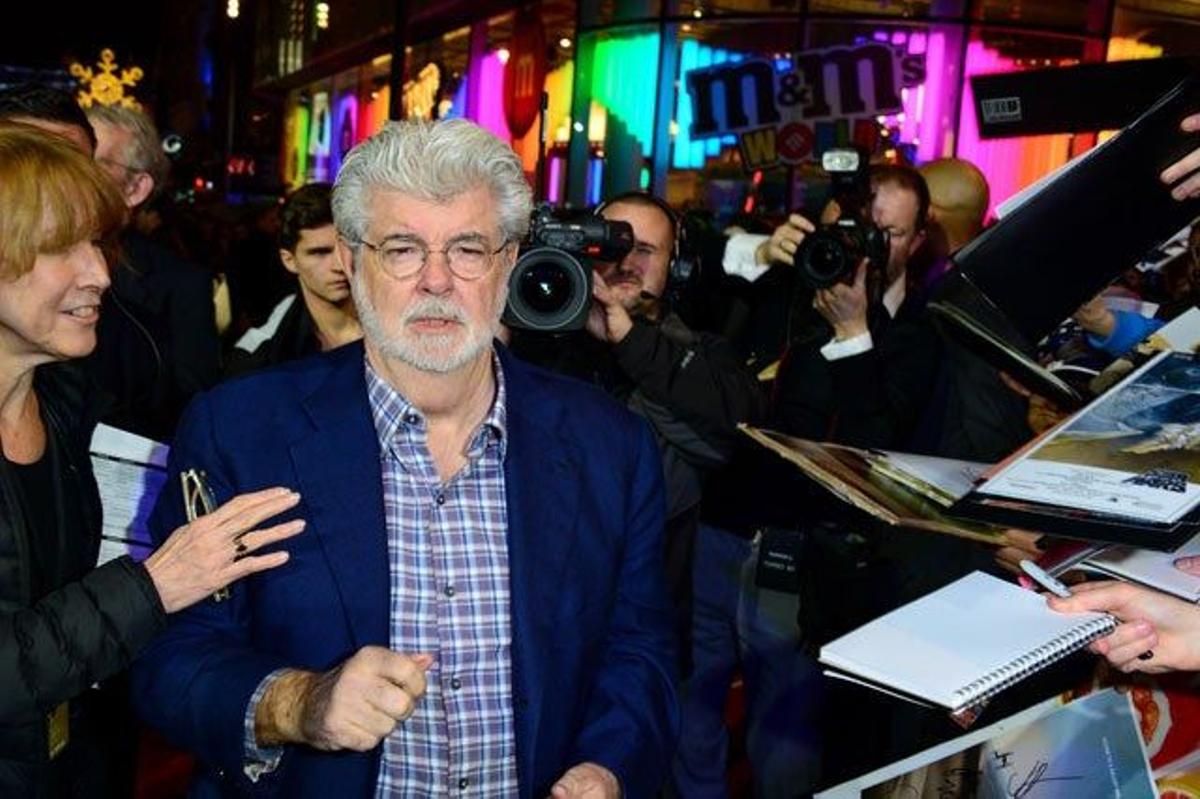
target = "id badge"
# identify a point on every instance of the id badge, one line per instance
(778, 565)
(58, 726)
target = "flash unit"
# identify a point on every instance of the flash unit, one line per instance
(840, 159)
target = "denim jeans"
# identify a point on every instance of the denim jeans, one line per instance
(738, 626)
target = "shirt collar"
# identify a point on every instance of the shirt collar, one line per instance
(893, 298)
(394, 416)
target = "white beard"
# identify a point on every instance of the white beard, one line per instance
(439, 354)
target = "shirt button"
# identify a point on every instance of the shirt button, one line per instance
(412, 418)
(448, 590)
(455, 683)
(463, 783)
(441, 499)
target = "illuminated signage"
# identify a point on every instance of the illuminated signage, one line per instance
(104, 86)
(816, 100)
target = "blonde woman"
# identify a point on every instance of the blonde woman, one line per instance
(66, 624)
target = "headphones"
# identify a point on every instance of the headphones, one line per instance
(683, 268)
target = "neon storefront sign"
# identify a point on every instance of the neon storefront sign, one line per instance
(818, 99)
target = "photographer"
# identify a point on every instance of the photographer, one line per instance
(688, 385)
(858, 370)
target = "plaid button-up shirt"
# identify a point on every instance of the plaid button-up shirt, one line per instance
(448, 551)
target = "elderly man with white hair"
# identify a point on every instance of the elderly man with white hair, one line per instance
(477, 607)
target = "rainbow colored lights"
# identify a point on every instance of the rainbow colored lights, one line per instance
(619, 97)
(623, 85)
(686, 153)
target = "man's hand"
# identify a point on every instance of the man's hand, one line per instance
(608, 320)
(1016, 546)
(1190, 188)
(845, 307)
(1095, 317)
(1151, 622)
(1042, 414)
(587, 781)
(353, 706)
(784, 241)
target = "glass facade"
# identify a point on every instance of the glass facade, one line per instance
(725, 104)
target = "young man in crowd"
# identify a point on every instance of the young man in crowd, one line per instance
(320, 315)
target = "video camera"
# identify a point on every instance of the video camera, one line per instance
(833, 253)
(550, 289)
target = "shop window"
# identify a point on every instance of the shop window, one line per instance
(435, 70)
(613, 120)
(374, 97)
(921, 126)
(1013, 163)
(295, 141)
(759, 102)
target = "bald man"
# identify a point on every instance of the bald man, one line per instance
(958, 194)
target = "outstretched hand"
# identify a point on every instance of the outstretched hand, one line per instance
(1190, 163)
(1157, 632)
(216, 549)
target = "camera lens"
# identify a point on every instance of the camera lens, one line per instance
(545, 287)
(823, 260)
(549, 290)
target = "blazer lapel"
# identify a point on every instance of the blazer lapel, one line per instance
(542, 493)
(339, 472)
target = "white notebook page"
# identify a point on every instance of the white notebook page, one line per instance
(946, 640)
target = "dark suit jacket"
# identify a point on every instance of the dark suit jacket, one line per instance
(873, 399)
(591, 654)
(157, 339)
(294, 337)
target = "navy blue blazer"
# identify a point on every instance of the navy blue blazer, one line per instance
(592, 659)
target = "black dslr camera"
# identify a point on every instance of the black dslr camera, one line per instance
(550, 289)
(832, 254)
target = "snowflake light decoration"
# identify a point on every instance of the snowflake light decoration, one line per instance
(105, 86)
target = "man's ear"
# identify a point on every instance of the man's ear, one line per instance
(138, 189)
(289, 260)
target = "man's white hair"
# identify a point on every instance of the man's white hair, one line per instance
(144, 152)
(434, 162)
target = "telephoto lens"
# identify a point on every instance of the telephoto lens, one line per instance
(550, 288)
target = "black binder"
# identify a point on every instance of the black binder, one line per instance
(1021, 277)
(1065, 523)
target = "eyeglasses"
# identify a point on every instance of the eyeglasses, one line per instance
(401, 257)
(198, 500)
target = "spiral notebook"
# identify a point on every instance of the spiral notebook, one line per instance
(963, 643)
